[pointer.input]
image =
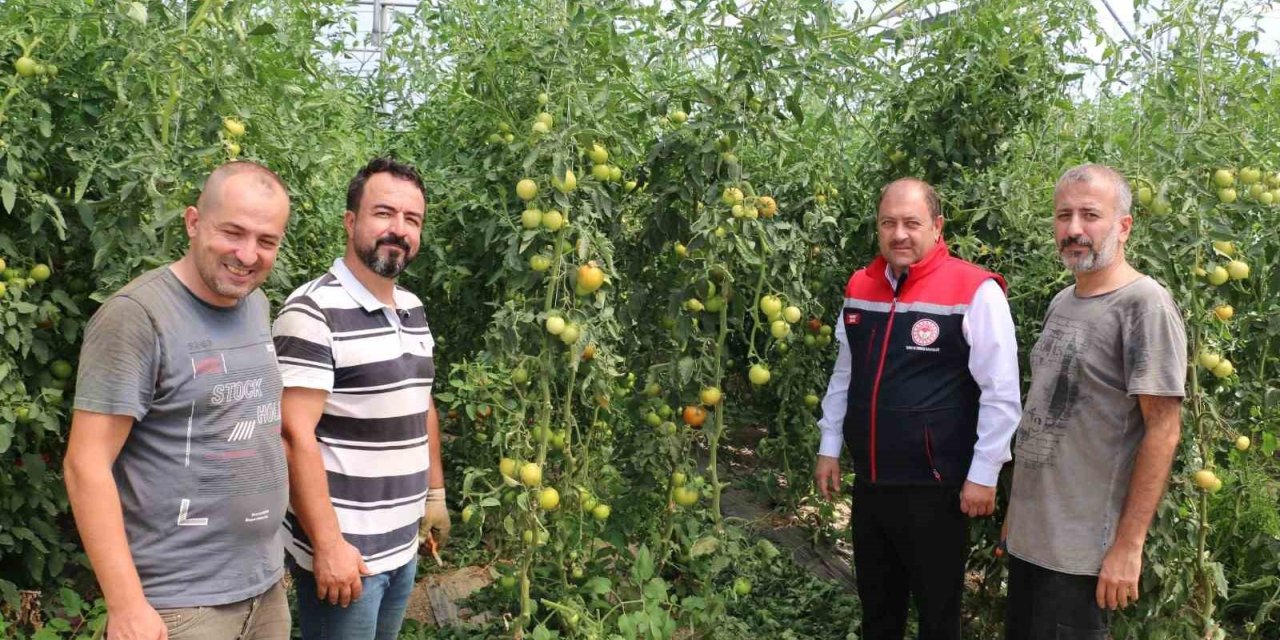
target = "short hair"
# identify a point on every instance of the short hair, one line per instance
(1091, 172)
(355, 189)
(930, 195)
(266, 179)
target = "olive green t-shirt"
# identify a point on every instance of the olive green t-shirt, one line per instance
(1081, 425)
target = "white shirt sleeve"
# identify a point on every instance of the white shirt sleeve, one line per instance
(304, 347)
(993, 363)
(836, 404)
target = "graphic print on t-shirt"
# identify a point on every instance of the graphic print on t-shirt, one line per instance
(234, 430)
(1055, 361)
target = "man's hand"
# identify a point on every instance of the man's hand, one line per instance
(136, 622)
(337, 568)
(977, 500)
(1118, 580)
(436, 521)
(827, 475)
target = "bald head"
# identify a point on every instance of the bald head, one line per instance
(904, 186)
(254, 178)
(235, 230)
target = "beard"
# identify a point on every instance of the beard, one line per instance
(391, 264)
(1098, 258)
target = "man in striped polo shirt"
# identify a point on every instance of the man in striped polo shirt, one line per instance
(360, 429)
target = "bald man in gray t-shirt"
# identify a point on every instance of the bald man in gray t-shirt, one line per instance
(202, 478)
(175, 467)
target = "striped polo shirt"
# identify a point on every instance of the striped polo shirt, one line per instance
(376, 363)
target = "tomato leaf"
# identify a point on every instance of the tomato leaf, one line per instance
(767, 550)
(264, 29)
(1219, 578)
(82, 183)
(598, 585)
(656, 589)
(643, 569)
(704, 546)
(9, 193)
(793, 105)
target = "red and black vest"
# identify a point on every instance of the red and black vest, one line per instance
(913, 405)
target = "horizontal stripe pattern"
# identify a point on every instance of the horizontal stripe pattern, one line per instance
(303, 351)
(382, 551)
(378, 366)
(367, 350)
(374, 463)
(394, 403)
(383, 489)
(906, 307)
(363, 375)
(350, 316)
(392, 429)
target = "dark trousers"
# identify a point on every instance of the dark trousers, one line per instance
(909, 543)
(1047, 605)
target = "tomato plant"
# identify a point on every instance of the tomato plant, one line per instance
(639, 229)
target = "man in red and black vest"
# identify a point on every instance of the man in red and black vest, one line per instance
(925, 393)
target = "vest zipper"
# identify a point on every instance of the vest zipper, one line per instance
(928, 451)
(884, 350)
(875, 389)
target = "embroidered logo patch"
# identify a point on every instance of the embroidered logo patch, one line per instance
(852, 318)
(924, 332)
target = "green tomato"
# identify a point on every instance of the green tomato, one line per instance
(26, 67)
(531, 218)
(61, 369)
(1218, 276)
(40, 273)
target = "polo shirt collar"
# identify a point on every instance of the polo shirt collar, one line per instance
(354, 288)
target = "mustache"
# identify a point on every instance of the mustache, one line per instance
(1080, 241)
(394, 241)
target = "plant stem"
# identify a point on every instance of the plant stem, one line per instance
(714, 440)
(544, 431)
(201, 12)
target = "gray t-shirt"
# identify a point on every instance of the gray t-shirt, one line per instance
(202, 476)
(1082, 425)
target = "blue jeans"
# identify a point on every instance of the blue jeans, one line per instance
(377, 615)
